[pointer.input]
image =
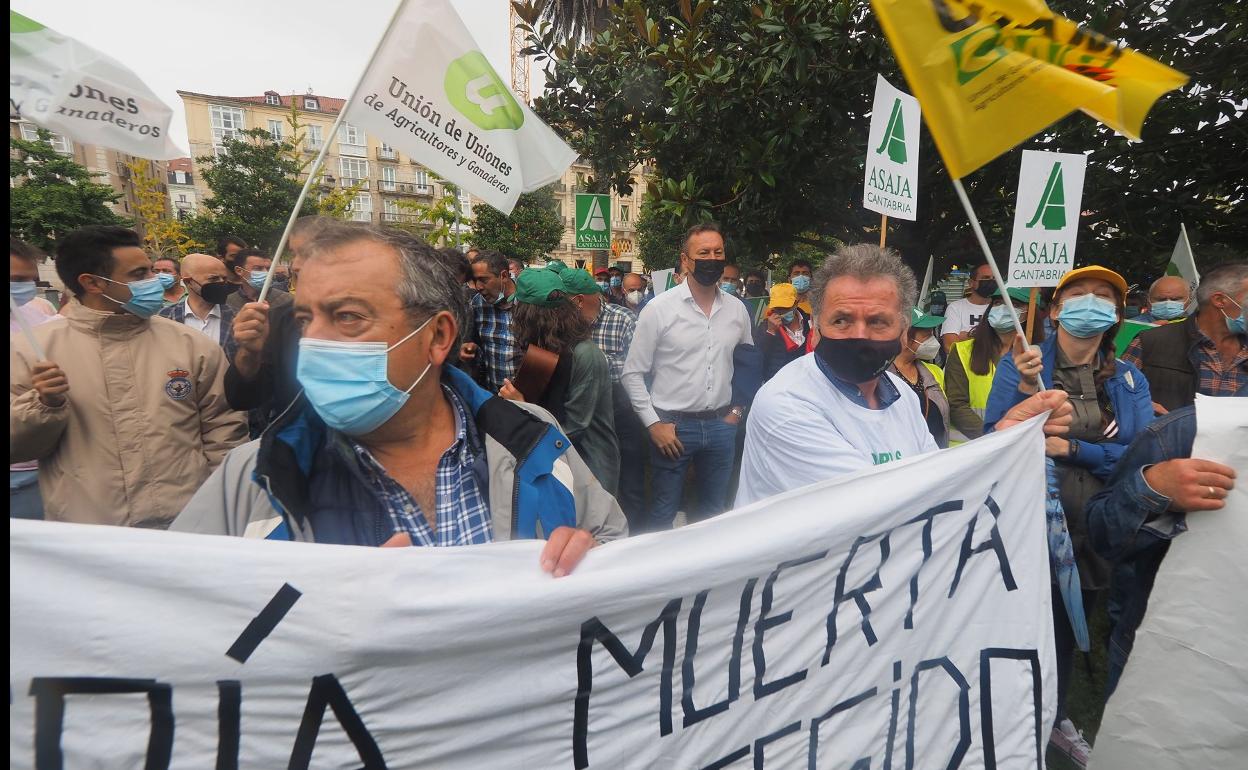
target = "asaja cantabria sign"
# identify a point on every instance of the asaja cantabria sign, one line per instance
(1046, 220)
(593, 221)
(892, 153)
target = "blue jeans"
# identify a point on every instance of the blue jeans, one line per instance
(710, 444)
(24, 499)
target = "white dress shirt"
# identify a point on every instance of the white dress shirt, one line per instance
(686, 354)
(209, 325)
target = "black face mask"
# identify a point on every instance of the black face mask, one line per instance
(986, 288)
(215, 293)
(708, 271)
(753, 288)
(857, 360)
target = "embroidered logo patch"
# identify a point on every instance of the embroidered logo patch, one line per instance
(179, 385)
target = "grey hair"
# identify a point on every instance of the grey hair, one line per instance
(865, 261)
(1223, 279)
(429, 284)
(1152, 289)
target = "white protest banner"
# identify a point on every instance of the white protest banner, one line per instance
(1183, 697)
(1046, 218)
(660, 279)
(64, 86)
(901, 614)
(892, 183)
(430, 92)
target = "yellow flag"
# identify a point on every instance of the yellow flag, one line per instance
(991, 73)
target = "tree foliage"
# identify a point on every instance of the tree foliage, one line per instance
(532, 230)
(163, 235)
(755, 113)
(53, 194)
(435, 222)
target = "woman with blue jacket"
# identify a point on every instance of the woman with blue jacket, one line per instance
(1112, 404)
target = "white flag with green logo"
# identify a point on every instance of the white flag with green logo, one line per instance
(892, 166)
(1046, 218)
(1183, 262)
(431, 93)
(72, 89)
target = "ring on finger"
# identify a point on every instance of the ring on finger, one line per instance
(1212, 492)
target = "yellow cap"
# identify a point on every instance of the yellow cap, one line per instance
(1094, 271)
(782, 295)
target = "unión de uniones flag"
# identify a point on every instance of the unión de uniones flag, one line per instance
(65, 86)
(991, 73)
(431, 93)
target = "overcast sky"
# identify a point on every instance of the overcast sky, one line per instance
(246, 47)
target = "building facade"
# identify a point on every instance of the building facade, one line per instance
(183, 194)
(383, 177)
(624, 213)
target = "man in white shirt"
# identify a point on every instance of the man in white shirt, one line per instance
(684, 344)
(205, 309)
(840, 410)
(963, 315)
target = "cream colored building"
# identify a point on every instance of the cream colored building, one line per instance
(110, 166)
(183, 194)
(624, 213)
(385, 176)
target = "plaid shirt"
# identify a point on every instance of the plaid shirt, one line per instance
(1216, 377)
(613, 333)
(498, 352)
(463, 514)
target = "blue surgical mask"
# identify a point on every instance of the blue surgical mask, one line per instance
(801, 283)
(1236, 325)
(256, 278)
(728, 287)
(1168, 309)
(147, 296)
(348, 385)
(1087, 315)
(22, 291)
(617, 282)
(999, 318)
(166, 280)
(789, 316)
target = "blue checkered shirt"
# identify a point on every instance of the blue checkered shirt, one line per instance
(463, 514)
(498, 351)
(613, 333)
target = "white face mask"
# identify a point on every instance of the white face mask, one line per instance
(927, 349)
(634, 297)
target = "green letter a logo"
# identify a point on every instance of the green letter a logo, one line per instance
(894, 136)
(1051, 212)
(475, 89)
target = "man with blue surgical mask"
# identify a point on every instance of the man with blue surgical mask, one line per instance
(390, 444)
(125, 412)
(169, 272)
(800, 272)
(251, 266)
(1168, 298)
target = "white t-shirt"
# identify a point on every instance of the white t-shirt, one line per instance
(962, 315)
(803, 429)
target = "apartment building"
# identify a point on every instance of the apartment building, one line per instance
(110, 166)
(382, 175)
(183, 194)
(624, 212)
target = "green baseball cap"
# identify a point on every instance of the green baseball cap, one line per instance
(1019, 294)
(578, 281)
(557, 266)
(535, 287)
(921, 320)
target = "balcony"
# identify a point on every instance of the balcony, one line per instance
(384, 153)
(360, 216)
(559, 187)
(312, 146)
(352, 150)
(393, 218)
(406, 188)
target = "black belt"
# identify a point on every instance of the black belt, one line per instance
(710, 414)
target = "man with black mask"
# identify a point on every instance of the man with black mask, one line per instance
(962, 316)
(684, 344)
(205, 308)
(840, 410)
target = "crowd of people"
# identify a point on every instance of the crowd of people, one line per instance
(385, 392)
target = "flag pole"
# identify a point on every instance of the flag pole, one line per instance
(883, 228)
(1031, 312)
(30, 336)
(992, 264)
(320, 157)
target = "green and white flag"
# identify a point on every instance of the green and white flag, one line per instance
(1046, 218)
(1183, 263)
(65, 86)
(430, 92)
(927, 282)
(892, 182)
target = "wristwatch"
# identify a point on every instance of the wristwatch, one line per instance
(737, 412)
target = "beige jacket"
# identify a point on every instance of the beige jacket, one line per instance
(145, 423)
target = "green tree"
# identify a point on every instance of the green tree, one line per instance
(658, 237)
(435, 222)
(52, 194)
(163, 234)
(532, 230)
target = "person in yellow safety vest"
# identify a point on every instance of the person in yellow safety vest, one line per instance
(973, 363)
(919, 347)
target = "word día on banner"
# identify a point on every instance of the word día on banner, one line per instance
(898, 617)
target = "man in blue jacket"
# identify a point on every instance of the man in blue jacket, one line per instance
(391, 445)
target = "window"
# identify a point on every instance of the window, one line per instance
(313, 139)
(391, 206)
(354, 169)
(362, 207)
(59, 143)
(311, 103)
(422, 178)
(580, 181)
(388, 179)
(272, 98)
(181, 198)
(275, 130)
(350, 134)
(226, 123)
(624, 213)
